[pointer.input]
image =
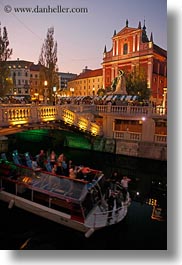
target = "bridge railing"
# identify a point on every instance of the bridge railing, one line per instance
(31, 114)
(132, 110)
(137, 137)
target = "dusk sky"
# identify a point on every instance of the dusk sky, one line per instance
(81, 37)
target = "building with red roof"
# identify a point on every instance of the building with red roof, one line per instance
(87, 83)
(132, 49)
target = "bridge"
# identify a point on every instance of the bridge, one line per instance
(95, 120)
(15, 118)
(18, 117)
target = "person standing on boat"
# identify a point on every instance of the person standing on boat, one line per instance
(113, 179)
(124, 183)
(110, 203)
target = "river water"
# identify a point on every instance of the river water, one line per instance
(22, 230)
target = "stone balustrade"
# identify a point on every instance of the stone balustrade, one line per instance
(11, 115)
(134, 136)
(132, 110)
(19, 115)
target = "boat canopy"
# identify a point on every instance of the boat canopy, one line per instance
(50, 184)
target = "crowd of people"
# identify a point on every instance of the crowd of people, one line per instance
(114, 187)
(87, 100)
(59, 165)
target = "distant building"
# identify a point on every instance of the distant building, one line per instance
(64, 78)
(36, 92)
(20, 78)
(87, 83)
(132, 49)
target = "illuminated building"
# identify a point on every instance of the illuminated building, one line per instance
(87, 83)
(20, 76)
(131, 49)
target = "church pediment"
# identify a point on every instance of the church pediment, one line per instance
(126, 31)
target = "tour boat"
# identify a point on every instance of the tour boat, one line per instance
(75, 203)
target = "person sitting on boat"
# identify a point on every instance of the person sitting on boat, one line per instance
(35, 166)
(59, 170)
(41, 158)
(54, 169)
(72, 174)
(79, 173)
(52, 158)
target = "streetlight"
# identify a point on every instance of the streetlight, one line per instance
(36, 96)
(45, 93)
(93, 91)
(72, 90)
(55, 93)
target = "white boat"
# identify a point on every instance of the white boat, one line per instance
(74, 203)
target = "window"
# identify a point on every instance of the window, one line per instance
(125, 48)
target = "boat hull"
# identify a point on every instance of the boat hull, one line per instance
(43, 211)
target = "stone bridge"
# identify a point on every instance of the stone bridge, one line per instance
(15, 118)
(18, 117)
(146, 143)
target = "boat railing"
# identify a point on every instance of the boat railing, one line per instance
(104, 217)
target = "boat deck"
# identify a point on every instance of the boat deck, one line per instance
(100, 217)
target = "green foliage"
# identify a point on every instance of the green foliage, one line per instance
(101, 92)
(5, 53)
(136, 84)
(48, 59)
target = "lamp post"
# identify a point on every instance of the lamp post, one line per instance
(55, 93)
(93, 91)
(36, 96)
(72, 91)
(45, 92)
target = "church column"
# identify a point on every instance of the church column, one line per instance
(133, 43)
(116, 71)
(149, 81)
(117, 47)
(113, 52)
(112, 73)
(138, 42)
(104, 78)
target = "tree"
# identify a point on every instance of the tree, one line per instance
(48, 59)
(136, 83)
(101, 92)
(5, 54)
